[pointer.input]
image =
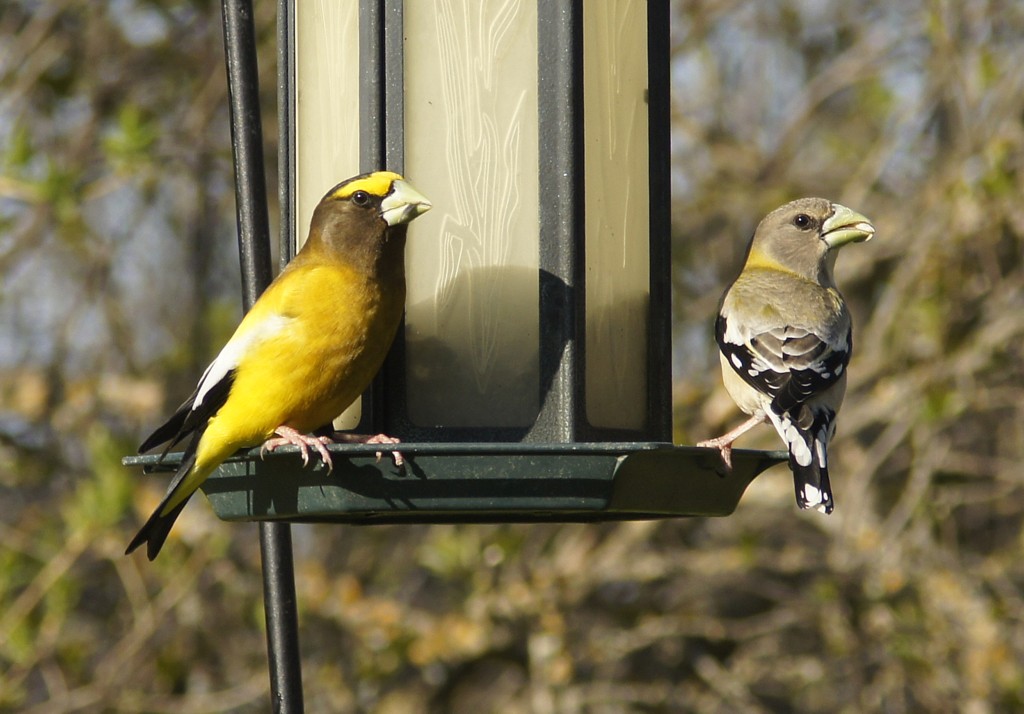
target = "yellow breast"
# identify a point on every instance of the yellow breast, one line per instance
(339, 327)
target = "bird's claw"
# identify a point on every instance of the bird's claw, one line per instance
(724, 449)
(724, 442)
(349, 438)
(396, 456)
(287, 435)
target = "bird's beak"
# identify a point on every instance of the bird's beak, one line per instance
(845, 226)
(403, 204)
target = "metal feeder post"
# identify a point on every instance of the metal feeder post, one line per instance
(279, 600)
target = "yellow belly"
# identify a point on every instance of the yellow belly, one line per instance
(340, 328)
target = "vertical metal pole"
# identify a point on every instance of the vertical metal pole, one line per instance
(254, 250)
(562, 259)
(371, 86)
(659, 341)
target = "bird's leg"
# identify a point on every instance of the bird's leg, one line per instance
(349, 438)
(287, 435)
(724, 442)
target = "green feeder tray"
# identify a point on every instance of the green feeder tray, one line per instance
(474, 482)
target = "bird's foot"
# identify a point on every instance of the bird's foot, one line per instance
(349, 438)
(724, 447)
(287, 435)
(724, 442)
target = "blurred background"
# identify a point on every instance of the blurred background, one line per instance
(119, 281)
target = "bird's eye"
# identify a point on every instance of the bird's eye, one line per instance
(802, 221)
(361, 198)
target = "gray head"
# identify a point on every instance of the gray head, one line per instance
(803, 237)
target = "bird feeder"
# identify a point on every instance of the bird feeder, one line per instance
(531, 378)
(537, 300)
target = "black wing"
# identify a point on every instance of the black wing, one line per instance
(788, 364)
(188, 418)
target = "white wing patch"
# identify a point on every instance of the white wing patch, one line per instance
(735, 332)
(233, 352)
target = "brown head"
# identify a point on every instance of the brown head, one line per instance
(363, 220)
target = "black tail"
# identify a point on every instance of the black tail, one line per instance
(807, 431)
(813, 489)
(156, 529)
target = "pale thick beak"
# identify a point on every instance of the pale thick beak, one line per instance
(403, 204)
(845, 226)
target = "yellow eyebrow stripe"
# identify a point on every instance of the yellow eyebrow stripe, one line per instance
(376, 184)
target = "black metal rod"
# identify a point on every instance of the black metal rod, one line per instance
(286, 159)
(562, 244)
(371, 85)
(254, 254)
(659, 341)
(281, 612)
(247, 146)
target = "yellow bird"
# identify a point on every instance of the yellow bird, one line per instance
(306, 350)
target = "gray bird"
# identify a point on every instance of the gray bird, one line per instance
(785, 337)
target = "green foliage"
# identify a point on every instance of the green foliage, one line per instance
(132, 139)
(101, 499)
(19, 151)
(61, 190)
